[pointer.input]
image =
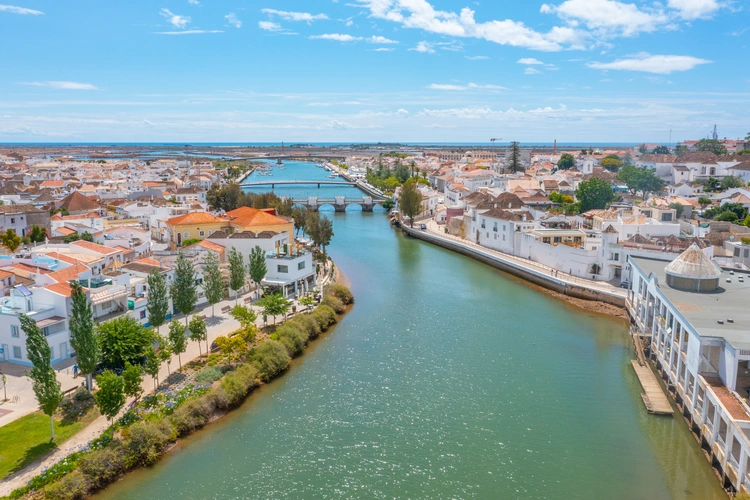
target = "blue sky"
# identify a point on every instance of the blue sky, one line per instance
(373, 70)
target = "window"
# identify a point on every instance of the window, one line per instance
(12, 220)
(301, 265)
(558, 239)
(494, 228)
(186, 234)
(16, 352)
(15, 331)
(106, 304)
(666, 217)
(483, 223)
(736, 252)
(202, 233)
(546, 240)
(747, 253)
(282, 269)
(617, 257)
(209, 232)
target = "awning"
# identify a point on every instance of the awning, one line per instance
(104, 296)
(49, 321)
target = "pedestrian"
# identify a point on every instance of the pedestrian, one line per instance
(75, 371)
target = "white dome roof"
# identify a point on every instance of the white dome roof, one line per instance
(693, 263)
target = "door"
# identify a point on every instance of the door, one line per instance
(64, 350)
(4, 352)
(179, 239)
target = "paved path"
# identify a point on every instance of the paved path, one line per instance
(434, 229)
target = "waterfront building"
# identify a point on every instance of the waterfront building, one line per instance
(695, 318)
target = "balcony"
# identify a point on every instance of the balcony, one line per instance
(6, 307)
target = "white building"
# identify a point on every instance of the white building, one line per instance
(696, 317)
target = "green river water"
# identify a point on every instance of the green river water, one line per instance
(447, 379)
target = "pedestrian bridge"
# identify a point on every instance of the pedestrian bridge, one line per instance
(339, 203)
(297, 183)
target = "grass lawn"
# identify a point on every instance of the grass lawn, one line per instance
(27, 439)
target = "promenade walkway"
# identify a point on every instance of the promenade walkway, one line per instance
(435, 230)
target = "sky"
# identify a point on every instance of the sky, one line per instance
(373, 70)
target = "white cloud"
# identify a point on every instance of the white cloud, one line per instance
(402, 113)
(295, 16)
(233, 20)
(424, 47)
(60, 85)
(476, 58)
(694, 9)
(470, 86)
(420, 14)
(529, 61)
(381, 40)
(384, 49)
(444, 86)
(611, 17)
(12, 9)
(647, 63)
(531, 71)
(187, 32)
(194, 2)
(174, 19)
(336, 37)
(269, 26)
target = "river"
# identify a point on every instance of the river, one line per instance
(448, 379)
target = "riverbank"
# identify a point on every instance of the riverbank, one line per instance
(147, 432)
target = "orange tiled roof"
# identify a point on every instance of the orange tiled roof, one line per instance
(69, 273)
(209, 245)
(194, 218)
(148, 261)
(249, 217)
(60, 289)
(94, 247)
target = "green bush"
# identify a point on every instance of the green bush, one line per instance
(145, 441)
(213, 359)
(342, 293)
(324, 316)
(308, 323)
(103, 466)
(208, 375)
(334, 303)
(72, 486)
(294, 337)
(192, 415)
(270, 358)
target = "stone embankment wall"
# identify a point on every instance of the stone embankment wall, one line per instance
(579, 291)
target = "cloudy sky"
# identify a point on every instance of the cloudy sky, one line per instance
(373, 70)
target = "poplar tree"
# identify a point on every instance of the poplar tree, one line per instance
(177, 340)
(45, 384)
(82, 336)
(198, 332)
(213, 281)
(110, 398)
(258, 268)
(236, 272)
(132, 380)
(184, 290)
(158, 299)
(153, 364)
(410, 200)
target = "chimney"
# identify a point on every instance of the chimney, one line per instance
(554, 148)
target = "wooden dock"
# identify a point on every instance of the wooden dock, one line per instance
(653, 395)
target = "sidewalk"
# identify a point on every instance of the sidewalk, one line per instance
(434, 229)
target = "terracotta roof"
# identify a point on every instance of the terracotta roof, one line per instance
(209, 245)
(149, 262)
(194, 218)
(610, 230)
(697, 157)
(249, 217)
(60, 289)
(95, 247)
(76, 202)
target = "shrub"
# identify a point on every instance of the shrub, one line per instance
(334, 303)
(208, 375)
(236, 385)
(270, 358)
(324, 316)
(308, 323)
(145, 442)
(293, 336)
(72, 486)
(103, 466)
(213, 359)
(343, 293)
(192, 415)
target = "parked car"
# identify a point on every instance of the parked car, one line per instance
(625, 284)
(423, 227)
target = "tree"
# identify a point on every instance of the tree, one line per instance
(82, 336)
(678, 208)
(158, 299)
(640, 179)
(132, 380)
(713, 184)
(44, 381)
(594, 193)
(704, 201)
(711, 145)
(410, 200)
(642, 149)
(184, 292)
(514, 161)
(274, 305)
(299, 214)
(307, 301)
(611, 163)
(737, 209)
(727, 216)
(165, 353)
(662, 150)
(11, 240)
(246, 317)
(401, 172)
(566, 162)
(231, 347)
(258, 267)
(320, 229)
(38, 234)
(213, 281)
(198, 332)
(110, 398)
(153, 364)
(237, 272)
(177, 340)
(732, 181)
(122, 340)
(680, 149)
(628, 160)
